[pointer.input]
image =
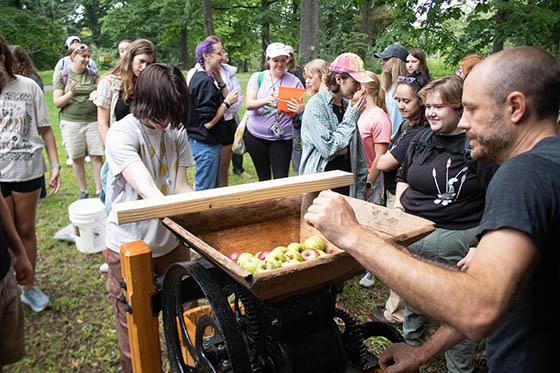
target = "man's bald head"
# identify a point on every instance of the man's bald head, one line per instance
(528, 70)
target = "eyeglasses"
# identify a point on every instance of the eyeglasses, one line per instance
(406, 79)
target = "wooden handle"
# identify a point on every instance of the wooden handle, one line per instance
(178, 204)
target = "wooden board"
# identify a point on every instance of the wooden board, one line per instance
(129, 212)
(258, 226)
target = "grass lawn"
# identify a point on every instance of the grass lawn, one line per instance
(77, 333)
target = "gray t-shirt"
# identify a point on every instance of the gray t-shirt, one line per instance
(162, 152)
(22, 110)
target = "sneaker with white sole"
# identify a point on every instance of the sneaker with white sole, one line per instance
(35, 299)
(104, 268)
(367, 281)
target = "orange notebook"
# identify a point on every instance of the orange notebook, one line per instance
(285, 95)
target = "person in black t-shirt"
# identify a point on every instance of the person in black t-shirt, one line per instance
(413, 110)
(11, 310)
(438, 181)
(510, 112)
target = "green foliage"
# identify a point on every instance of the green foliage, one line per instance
(41, 37)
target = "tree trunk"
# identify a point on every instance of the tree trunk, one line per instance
(365, 28)
(265, 32)
(499, 36)
(309, 30)
(208, 19)
(184, 51)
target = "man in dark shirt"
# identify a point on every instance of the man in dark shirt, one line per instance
(11, 310)
(511, 103)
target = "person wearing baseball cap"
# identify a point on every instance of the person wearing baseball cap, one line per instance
(393, 60)
(71, 40)
(269, 132)
(65, 61)
(329, 132)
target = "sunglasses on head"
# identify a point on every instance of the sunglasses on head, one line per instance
(406, 79)
(81, 48)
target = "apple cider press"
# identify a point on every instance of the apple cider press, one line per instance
(217, 316)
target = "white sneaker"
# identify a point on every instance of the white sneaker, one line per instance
(69, 161)
(367, 281)
(87, 159)
(104, 268)
(35, 299)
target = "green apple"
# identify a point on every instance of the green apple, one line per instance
(272, 263)
(290, 263)
(251, 264)
(267, 265)
(296, 246)
(321, 252)
(293, 255)
(278, 254)
(314, 242)
(244, 257)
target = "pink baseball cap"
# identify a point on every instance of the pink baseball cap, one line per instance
(290, 49)
(352, 64)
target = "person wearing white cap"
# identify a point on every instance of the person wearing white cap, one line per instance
(331, 140)
(66, 62)
(269, 133)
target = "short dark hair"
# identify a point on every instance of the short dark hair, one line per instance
(332, 85)
(529, 70)
(161, 94)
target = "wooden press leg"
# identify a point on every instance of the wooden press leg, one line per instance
(143, 328)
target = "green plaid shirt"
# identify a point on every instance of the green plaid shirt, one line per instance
(323, 137)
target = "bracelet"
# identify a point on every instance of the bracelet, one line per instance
(368, 185)
(226, 104)
(221, 85)
(53, 165)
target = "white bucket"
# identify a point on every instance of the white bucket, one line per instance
(88, 217)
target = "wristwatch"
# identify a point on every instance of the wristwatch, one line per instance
(226, 104)
(221, 85)
(368, 185)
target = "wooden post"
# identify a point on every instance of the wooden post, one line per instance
(143, 328)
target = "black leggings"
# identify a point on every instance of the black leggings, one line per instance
(269, 156)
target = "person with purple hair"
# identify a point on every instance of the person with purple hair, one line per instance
(206, 125)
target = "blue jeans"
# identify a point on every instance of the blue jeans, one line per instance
(207, 164)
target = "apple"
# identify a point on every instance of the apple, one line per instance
(267, 265)
(295, 246)
(321, 252)
(278, 254)
(314, 242)
(293, 255)
(234, 255)
(309, 254)
(244, 257)
(262, 254)
(290, 263)
(251, 264)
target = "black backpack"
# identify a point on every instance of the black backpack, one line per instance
(425, 143)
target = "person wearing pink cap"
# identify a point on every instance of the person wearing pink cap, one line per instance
(269, 133)
(331, 140)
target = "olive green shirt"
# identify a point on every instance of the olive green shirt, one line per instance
(79, 108)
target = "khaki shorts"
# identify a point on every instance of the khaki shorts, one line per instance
(79, 136)
(11, 321)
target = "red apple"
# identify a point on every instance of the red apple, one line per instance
(262, 255)
(309, 254)
(234, 255)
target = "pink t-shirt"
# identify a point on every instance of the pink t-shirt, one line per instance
(375, 128)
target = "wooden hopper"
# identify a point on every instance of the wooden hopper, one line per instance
(261, 216)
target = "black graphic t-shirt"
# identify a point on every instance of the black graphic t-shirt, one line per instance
(443, 187)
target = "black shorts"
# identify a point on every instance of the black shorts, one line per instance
(229, 133)
(20, 186)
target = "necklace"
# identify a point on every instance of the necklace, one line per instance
(163, 168)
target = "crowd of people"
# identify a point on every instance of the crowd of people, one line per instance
(428, 147)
